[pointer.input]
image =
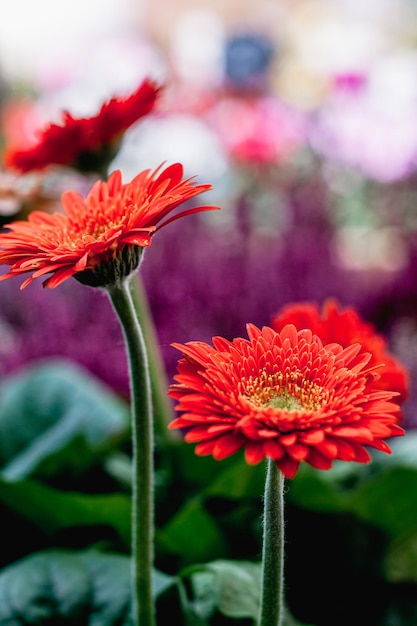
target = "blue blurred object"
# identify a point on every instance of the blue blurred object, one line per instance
(247, 61)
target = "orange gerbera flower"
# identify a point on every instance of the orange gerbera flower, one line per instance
(88, 144)
(282, 395)
(99, 239)
(332, 324)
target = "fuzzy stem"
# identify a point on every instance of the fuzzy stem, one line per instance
(142, 450)
(163, 410)
(272, 583)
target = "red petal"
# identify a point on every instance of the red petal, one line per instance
(288, 466)
(345, 450)
(254, 453)
(312, 437)
(327, 448)
(298, 451)
(316, 459)
(288, 440)
(226, 446)
(273, 450)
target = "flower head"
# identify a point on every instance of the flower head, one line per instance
(282, 395)
(332, 324)
(88, 144)
(99, 239)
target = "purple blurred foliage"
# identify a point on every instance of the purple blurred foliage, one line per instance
(73, 322)
(207, 277)
(204, 281)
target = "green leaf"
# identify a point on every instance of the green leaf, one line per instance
(400, 563)
(237, 481)
(56, 414)
(194, 470)
(71, 588)
(192, 534)
(231, 587)
(382, 493)
(388, 501)
(317, 491)
(53, 510)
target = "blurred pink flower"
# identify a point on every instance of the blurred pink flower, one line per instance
(258, 130)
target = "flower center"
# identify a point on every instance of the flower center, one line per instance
(284, 401)
(288, 392)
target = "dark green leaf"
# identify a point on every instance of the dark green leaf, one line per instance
(53, 510)
(238, 480)
(193, 470)
(382, 493)
(388, 501)
(192, 534)
(71, 588)
(231, 587)
(400, 562)
(318, 491)
(55, 413)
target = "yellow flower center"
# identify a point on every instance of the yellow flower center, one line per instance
(285, 401)
(289, 392)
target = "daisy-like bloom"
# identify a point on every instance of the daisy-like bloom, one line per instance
(98, 239)
(345, 326)
(87, 144)
(282, 395)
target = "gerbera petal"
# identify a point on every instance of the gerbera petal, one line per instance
(172, 174)
(274, 450)
(361, 454)
(345, 450)
(312, 437)
(327, 448)
(82, 263)
(378, 444)
(288, 466)
(205, 447)
(201, 433)
(59, 277)
(298, 451)
(254, 452)
(356, 433)
(318, 460)
(226, 446)
(187, 212)
(289, 439)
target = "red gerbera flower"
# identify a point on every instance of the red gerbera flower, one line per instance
(282, 395)
(332, 324)
(88, 144)
(98, 239)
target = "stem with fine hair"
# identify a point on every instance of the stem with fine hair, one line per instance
(272, 581)
(142, 450)
(163, 410)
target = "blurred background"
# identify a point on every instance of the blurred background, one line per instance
(302, 114)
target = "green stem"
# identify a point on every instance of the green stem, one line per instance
(272, 584)
(143, 469)
(163, 410)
